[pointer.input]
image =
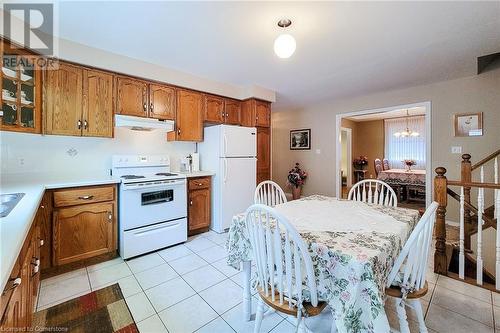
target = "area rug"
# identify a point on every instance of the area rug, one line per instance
(101, 311)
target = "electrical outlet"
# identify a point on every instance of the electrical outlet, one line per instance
(456, 149)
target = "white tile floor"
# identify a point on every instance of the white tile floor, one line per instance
(189, 288)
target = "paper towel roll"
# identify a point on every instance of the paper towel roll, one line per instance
(196, 162)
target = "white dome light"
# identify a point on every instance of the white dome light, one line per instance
(284, 46)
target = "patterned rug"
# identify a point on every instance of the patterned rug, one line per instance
(101, 311)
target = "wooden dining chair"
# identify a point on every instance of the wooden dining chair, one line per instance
(269, 193)
(406, 280)
(385, 164)
(378, 166)
(284, 267)
(373, 191)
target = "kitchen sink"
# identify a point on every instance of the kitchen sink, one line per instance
(8, 202)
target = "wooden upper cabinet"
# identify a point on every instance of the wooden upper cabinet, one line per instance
(262, 114)
(232, 112)
(255, 113)
(131, 97)
(98, 104)
(189, 117)
(214, 109)
(63, 100)
(161, 102)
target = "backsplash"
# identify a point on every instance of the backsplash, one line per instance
(21, 153)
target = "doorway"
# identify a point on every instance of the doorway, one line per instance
(371, 137)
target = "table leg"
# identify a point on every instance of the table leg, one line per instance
(247, 296)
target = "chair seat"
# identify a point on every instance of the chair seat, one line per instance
(308, 307)
(395, 291)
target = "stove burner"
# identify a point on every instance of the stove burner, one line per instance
(132, 177)
(165, 174)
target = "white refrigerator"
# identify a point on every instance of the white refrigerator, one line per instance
(230, 152)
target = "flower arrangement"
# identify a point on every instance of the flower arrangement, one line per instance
(409, 164)
(296, 176)
(360, 162)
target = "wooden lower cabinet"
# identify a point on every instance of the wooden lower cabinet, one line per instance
(20, 294)
(83, 230)
(199, 204)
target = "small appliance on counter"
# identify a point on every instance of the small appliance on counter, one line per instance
(152, 204)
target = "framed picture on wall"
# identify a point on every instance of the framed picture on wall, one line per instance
(469, 124)
(300, 139)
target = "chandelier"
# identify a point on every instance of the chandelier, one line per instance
(407, 132)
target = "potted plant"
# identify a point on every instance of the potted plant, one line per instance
(360, 163)
(296, 178)
(409, 164)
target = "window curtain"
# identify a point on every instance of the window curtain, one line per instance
(398, 149)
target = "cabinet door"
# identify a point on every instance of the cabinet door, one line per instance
(263, 154)
(84, 231)
(247, 114)
(63, 100)
(214, 109)
(233, 109)
(189, 116)
(199, 209)
(97, 104)
(131, 97)
(44, 220)
(161, 102)
(262, 114)
(13, 315)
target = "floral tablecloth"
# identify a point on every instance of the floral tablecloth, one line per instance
(353, 251)
(402, 177)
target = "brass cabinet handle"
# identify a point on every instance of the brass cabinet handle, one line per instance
(42, 242)
(86, 197)
(15, 283)
(79, 124)
(151, 106)
(200, 184)
(110, 216)
(191, 202)
(179, 131)
(145, 106)
(85, 124)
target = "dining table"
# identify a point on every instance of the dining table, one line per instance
(353, 246)
(402, 177)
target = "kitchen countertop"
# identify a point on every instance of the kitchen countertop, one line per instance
(198, 174)
(15, 227)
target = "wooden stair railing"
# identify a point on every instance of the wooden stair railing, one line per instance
(473, 220)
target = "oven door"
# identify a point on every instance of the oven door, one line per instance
(152, 202)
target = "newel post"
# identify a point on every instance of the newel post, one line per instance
(466, 177)
(440, 196)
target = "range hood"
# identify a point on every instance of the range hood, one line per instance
(143, 124)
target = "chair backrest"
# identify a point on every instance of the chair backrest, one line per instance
(413, 258)
(385, 164)
(283, 261)
(373, 191)
(378, 166)
(269, 193)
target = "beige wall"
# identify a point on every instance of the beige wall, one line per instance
(480, 93)
(369, 143)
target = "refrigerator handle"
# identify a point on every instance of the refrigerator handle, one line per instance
(225, 170)
(225, 144)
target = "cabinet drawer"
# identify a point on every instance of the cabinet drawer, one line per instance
(198, 183)
(83, 195)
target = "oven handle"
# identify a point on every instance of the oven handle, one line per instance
(156, 202)
(155, 230)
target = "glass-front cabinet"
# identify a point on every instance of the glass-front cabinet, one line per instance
(21, 85)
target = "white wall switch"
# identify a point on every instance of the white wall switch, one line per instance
(456, 149)
(318, 151)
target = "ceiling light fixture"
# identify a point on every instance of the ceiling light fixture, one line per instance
(407, 132)
(284, 45)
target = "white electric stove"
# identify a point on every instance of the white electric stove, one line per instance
(152, 204)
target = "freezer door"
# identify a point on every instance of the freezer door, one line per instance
(238, 141)
(237, 188)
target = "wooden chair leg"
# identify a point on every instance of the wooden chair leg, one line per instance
(417, 307)
(259, 315)
(403, 320)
